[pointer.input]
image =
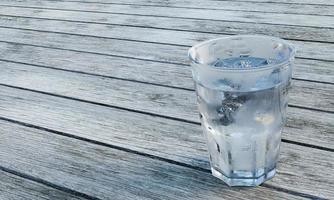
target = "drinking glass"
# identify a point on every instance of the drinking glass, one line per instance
(242, 84)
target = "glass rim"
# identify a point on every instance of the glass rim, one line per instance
(266, 67)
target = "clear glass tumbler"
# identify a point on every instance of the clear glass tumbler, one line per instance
(241, 86)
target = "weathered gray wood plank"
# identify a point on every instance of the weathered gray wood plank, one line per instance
(244, 16)
(302, 90)
(267, 2)
(223, 27)
(16, 188)
(300, 168)
(229, 5)
(152, 72)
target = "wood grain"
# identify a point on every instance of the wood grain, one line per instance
(199, 25)
(136, 117)
(13, 187)
(244, 16)
(165, 138)
(228, 5)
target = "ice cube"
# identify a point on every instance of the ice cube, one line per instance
(230, 104)
(225, 115)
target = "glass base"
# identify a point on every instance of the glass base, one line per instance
(244, 181)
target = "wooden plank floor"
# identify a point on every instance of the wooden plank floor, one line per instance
(97, 100)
